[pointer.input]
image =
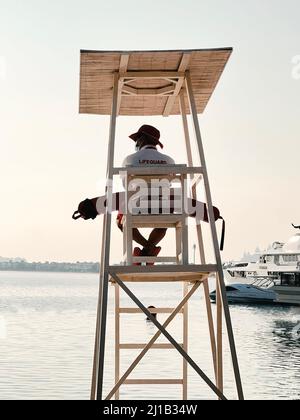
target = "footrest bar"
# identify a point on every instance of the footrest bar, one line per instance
(153, 382)
(142, 346)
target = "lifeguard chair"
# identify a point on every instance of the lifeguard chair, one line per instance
(137, 83)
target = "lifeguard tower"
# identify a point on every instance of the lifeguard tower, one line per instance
(137, 83)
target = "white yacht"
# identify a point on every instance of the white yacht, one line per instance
(280, 264)
(248, 294)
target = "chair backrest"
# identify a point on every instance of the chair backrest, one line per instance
(155, 190)
(155, 198)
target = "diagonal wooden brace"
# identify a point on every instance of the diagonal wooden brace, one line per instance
(152, 341)
(170, 338)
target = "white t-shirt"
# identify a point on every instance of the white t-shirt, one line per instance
(147, 156)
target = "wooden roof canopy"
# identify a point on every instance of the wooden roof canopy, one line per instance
(149, 80)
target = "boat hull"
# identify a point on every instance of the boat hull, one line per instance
(287, 294)
(247, 300)
(247, 294)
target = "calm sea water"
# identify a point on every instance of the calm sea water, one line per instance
(47, 323)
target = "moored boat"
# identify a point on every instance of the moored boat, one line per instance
(280, 264)
(248, 294)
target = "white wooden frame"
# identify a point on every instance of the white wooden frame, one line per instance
(180, 80)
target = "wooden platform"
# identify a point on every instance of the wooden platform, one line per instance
(162, 273)
(145, 96)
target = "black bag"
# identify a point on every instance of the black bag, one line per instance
(86, 210)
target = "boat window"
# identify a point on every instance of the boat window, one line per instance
(241, 265)
(288, 279)
(276, 259)
(238, 273)
(290, 258)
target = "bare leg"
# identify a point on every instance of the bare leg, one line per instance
(138, 237)
(156, 236)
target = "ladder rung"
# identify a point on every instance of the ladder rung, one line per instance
(153, 382)
(151, 310)
(166, 268)
(159, 218)
(153, 225)
(155, 259)
(159, 170)
(171, 177)
(162, 220)
(141, 346)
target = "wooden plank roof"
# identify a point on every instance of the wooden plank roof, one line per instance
(97, 69)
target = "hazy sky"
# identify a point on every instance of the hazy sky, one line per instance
(52, 157)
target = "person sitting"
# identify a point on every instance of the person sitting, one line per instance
(146, 141)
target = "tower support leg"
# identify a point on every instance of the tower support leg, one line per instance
(185, 344)
(219, 337)
(220, 277)
(97, 383)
